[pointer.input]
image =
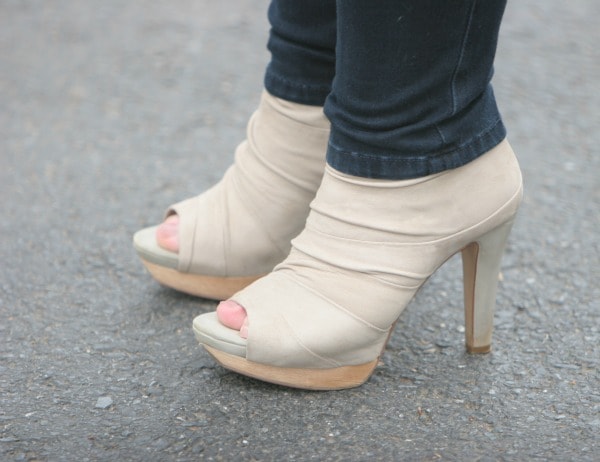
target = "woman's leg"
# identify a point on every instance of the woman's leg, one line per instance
(302, 45)
(417, 171)
(412, 93)
(243, 227)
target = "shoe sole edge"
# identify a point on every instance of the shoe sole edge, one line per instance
(211, 287)
(338, 378)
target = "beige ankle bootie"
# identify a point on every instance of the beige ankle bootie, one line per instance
(241, 228)
(321, 319)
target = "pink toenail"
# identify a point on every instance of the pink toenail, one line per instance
(232, 315)
(167, 235)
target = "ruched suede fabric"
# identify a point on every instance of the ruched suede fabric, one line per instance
(368, 245)
(244, 224)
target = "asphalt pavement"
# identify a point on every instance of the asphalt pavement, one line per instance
(110, 111)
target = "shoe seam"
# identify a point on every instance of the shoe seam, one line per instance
(434, 241)
(253, 217)
(336, 305)
(304, 347)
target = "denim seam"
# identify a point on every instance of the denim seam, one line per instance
(298, 85)
(460, 56)
(406, 158)
(439, 131)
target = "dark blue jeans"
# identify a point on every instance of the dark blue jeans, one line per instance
(405, 84)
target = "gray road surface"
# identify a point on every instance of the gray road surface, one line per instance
(110, 111)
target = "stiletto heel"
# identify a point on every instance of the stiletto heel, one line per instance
(481, 266)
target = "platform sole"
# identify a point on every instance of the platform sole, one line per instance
(212, 287)
(337, 378)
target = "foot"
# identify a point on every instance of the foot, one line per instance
(230, 313)
(233, 315)
(347, 272)
(238, 230)
(167, 235)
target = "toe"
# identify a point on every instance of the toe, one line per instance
(244, 329)
(233, 315)
(167, 235)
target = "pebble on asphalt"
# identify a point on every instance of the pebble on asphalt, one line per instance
(104, 402)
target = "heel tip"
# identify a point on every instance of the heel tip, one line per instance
(479, 350)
